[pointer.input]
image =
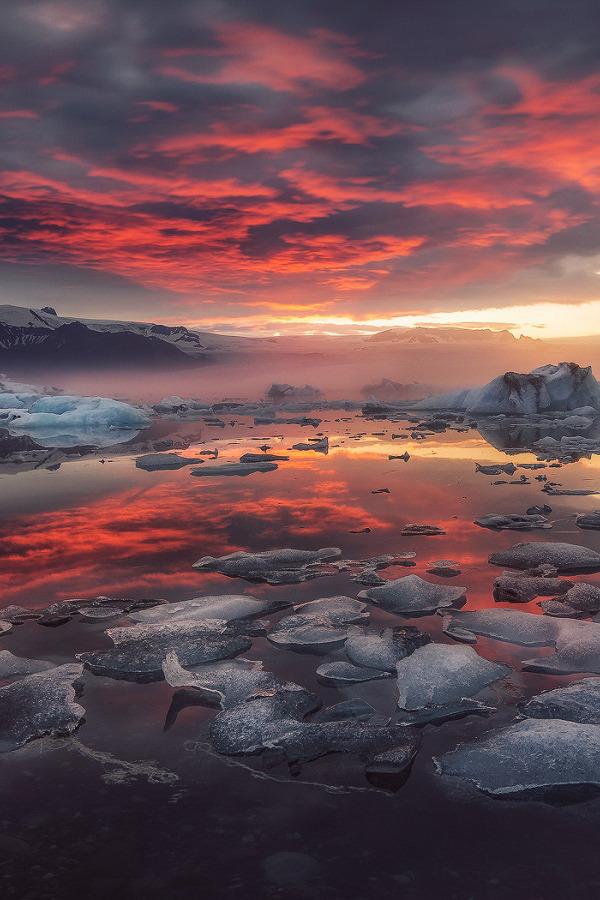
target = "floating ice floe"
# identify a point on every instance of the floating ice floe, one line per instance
(228, 607)
(63, 421)
(320, 626)
(512, 588)
(530, 756)
(155, 462)
(278, 723)
(384, 650)
(581, 599)
(320, 446)
(12, 666)
(512, 522)
(444, 568)
(225, 684)
(262, 457)
(577, 702)
(272, 566)
(438, 674)
(589, 520)
(139, 651)
(340, 673)
(39, 704)
(576, 643)
(500, 469)
(234, 469)
(413, 595)
(425, 530)
(95, 609)
(565, 557)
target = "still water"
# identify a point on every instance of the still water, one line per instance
(127, 809)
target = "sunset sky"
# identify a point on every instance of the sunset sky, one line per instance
(260, 166)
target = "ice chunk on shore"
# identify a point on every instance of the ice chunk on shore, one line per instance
(528, 756)
(565, 557)
(438, 674)
(413, 595)
(139, 651)
(39, 704)
(272, 566)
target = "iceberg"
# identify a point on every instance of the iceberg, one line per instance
(69, 420)
(550, 388)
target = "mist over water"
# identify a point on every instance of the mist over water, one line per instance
(342, 368)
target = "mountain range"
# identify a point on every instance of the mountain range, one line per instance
(42, 337)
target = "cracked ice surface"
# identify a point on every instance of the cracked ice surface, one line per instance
(527, 756)
(139, 651)
(39, 704)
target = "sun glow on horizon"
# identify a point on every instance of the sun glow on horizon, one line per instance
(536, 320)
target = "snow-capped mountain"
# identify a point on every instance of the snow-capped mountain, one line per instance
(446, 335)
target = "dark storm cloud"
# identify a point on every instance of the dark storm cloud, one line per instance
(238, 150)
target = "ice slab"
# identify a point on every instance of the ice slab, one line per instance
(225, 606)
(513, 522)
(589, 520)
(39, 704)
(227, 683)
(528, 756)
(273, 566)
(565, 557)
(234, 469)
(139, 651)
(438, 674)
(577, 702)
(11, 666)
(320, 626)
(413, 595)
(340, 673)
(383, 650)
(512, 588)
(155, 462)
(277, 723)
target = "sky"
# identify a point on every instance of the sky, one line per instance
(257, 166)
